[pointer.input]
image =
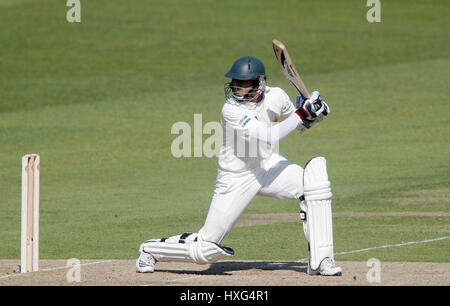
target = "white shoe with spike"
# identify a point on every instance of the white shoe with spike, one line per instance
(145, 263)
(327, 267)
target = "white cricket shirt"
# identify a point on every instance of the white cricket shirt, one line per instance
(239, 152)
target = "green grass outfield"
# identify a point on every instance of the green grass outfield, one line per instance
(97, 101)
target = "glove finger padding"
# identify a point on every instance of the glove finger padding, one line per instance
(314, 108)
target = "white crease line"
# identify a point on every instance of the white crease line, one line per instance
(54, 269)
(173, 280)
(67, 267)
(182, 279)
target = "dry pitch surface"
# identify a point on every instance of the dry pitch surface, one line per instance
(224, 273)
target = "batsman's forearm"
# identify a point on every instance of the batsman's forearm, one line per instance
(274, 134)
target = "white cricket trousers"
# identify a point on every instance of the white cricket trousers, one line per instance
(234, 192)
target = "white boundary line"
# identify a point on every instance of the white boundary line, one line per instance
(393, 245)
(197, 276)
(387, 246)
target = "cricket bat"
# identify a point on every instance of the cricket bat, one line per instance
(288, 68)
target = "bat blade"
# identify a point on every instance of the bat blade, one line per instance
(288, 68)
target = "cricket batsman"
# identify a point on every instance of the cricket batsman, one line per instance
(254, 118)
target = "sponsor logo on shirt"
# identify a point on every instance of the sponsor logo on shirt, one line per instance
(243, 122)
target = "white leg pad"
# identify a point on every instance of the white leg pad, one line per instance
(185, 248)
(317, 201)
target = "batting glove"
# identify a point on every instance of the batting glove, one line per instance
(311, 110)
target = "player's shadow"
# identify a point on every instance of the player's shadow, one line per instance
(228, 267)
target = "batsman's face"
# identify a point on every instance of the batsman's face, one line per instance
(245, 87)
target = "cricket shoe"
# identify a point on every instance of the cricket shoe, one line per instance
(145, 263)
(327, 267)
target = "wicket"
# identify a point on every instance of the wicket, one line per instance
(29, 247)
